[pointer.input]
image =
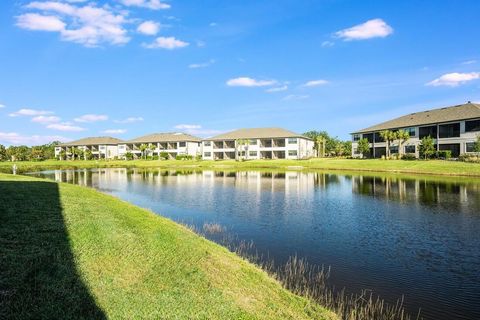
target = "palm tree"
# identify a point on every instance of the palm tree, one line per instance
(152, 148)
(143, 148)
(320, 141)
(402, 137)
(388, 136)
(242, 145)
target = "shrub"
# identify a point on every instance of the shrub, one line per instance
(184, 157)
(409, 156)
(469, 157)
(164, 155)
(444, 154)
(198, 157)
(128, 156)
(155, 157)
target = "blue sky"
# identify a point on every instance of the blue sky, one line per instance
(75, 68)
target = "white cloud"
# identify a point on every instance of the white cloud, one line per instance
(91, 118)
(201, 65)
(249, 82)
(454, 79)
(315, 83)
(169, 43)
(46, 119)
(66, 126)
(469, 62)
(277, 89)
(2, 106)
(129, 120)
(375, 28)
(87, 24)
(29, 113)
(150, 28)
(213, 24)
(17, 139)
(114, 131)
(38, 22)
(149, 4)
(295, 97)
(187, 126)
(327, 44)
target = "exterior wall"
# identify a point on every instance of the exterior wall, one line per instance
(465, 137)
(270, 148)
(173, 148)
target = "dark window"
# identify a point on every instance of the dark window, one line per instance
(207, 143)
(207, 154)
(451, 130)
(380, 151)
(454, 148)
(394, 149)
(252, 153)
(356, 137)
(473, 125)
(470, 146)
(410, 149)
(411, 131)
(428, 131)
(182, 144)
(253, 142)
(292, 140)
(292, 152)
(369, 137)
(378, 138)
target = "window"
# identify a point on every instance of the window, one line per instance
(394, 149)
(410, 149)
(450, 130)
(411, 131)
(355, 151)
(369, 137)
(253, 142)
(292, 140)
(292, 153)
(207, 154)
(378, 137)
(121, 147)
(102, 147)
(357, 137)
(428, 131)
(182, 144)
(473, 125)
(207, 143)
(252, 153)
(470, 147)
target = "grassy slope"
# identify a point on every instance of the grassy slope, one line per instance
(433, 167)
(72, 252)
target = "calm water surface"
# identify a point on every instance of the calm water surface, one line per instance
(413, 237)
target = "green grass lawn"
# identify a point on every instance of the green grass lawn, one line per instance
(432, 167)
(72, 252)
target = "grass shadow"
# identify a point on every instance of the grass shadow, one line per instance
(38, 276)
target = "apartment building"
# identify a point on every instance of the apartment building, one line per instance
(453, 128)
(100, 147)
(257, 143)
(174, 143)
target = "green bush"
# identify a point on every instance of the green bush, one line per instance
(184, 157)
(198, 157)
(469, 157)
(129, 156)
(409, 156)
(155, 157)
(444, 154)
(164, 155)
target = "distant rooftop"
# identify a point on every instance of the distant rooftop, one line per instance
(465, 111)
(93, 141)
(257, 133)
(165, 137)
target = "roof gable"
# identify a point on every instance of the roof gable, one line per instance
(257, 133)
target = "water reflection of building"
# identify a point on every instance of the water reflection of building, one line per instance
(421, 191)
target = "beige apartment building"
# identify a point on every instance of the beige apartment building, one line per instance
(453, 128)
(100, 147)
(258, 143)
(174, 143)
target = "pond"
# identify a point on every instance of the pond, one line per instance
(417, 237)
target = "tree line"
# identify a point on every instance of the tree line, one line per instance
(25, 153)
(328, 146)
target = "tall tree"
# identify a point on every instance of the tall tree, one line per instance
(3, 153)
(143, 148)
(402, 137)
(476, 146)
(427, 147)
(364, 147)
(388, 136)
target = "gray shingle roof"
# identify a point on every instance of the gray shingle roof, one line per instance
(257, 133)
(454, 113)
(165, 137)
(93, 141)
